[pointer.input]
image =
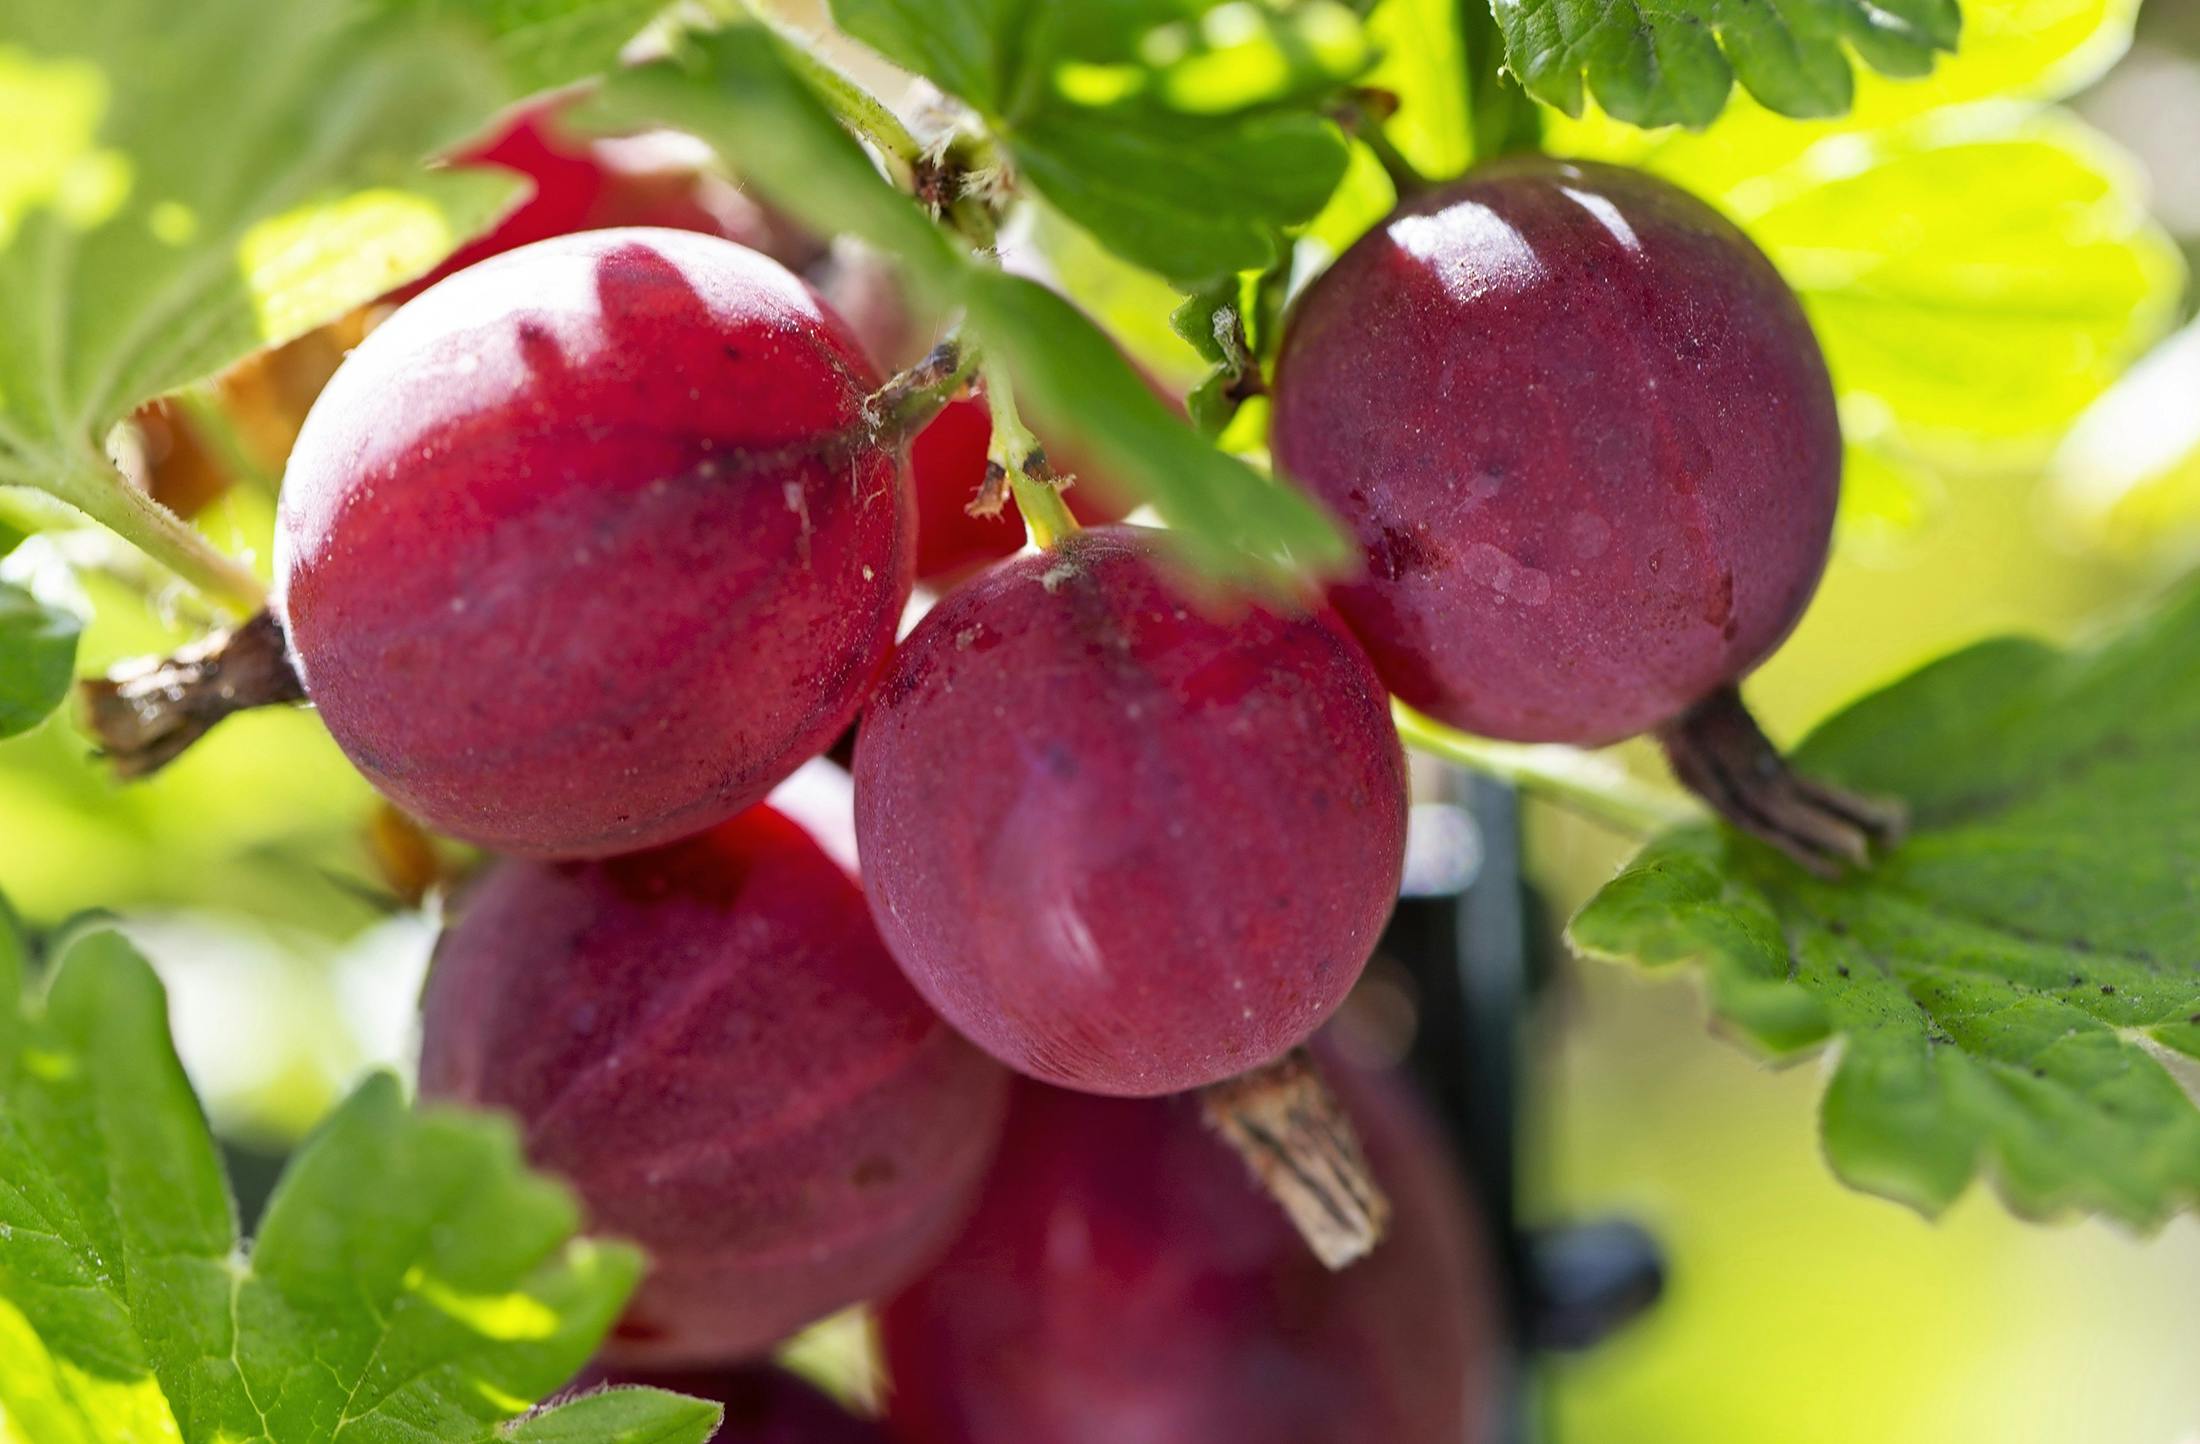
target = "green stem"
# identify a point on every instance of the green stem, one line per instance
(101, 493)
(851, 104)
(1405, 177)
(1046, 515)
(902, 407)
(1597, 787)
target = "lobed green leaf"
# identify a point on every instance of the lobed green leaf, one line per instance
(1184, 134)
(411, 1280)
(1666, 64)
(2016, 988)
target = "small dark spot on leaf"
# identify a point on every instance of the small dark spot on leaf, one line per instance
(1837, 927)
(2076, 981)
(1842, 969)
(2107, 988)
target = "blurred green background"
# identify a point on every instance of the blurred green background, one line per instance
(1798, 1311)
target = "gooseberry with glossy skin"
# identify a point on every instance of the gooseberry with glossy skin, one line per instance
(710, 1044)
(947, 463)
(764, 1404)
(1123, 844)
(586, 547)
(1124, 1279)
(1585, 438)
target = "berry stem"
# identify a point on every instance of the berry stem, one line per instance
(903, 407)
(1288, 1126)
(106, 496)
(145, 713)
(1016, 455)
(1597, 787)
(1723, 756)
(853, 106)
(1363, 115)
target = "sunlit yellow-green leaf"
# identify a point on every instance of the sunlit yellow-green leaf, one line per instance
(314, 262)
(44, 1400)
(2011, 50)
(1984, 283)
(178, 187)
(1424, 63)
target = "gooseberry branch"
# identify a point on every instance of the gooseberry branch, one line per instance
(102, 493)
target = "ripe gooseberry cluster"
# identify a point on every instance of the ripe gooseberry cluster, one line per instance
(631, 467)
(597, 541)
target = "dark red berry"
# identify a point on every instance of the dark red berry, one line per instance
(1123, 844)
(709, 1042)
(1585, 438)
(586, 547)
(1124, 1279)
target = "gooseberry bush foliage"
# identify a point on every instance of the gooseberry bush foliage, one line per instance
(1936, 264)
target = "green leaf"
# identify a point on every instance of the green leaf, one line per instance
(1233, 522)
(1984, 288)
(621, 1416)
(538, 44)
(2027, 50)
(1184, 134)
(1675, 63)
(735, 89)
(188, 183)
(966, 47)
(411, 1279)
(2016, 988)
(37, 659)
(1187, 196)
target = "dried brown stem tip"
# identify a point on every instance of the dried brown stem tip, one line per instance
(1294, 1134)
(145, 713)
(901, 408)
(1720, 753)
